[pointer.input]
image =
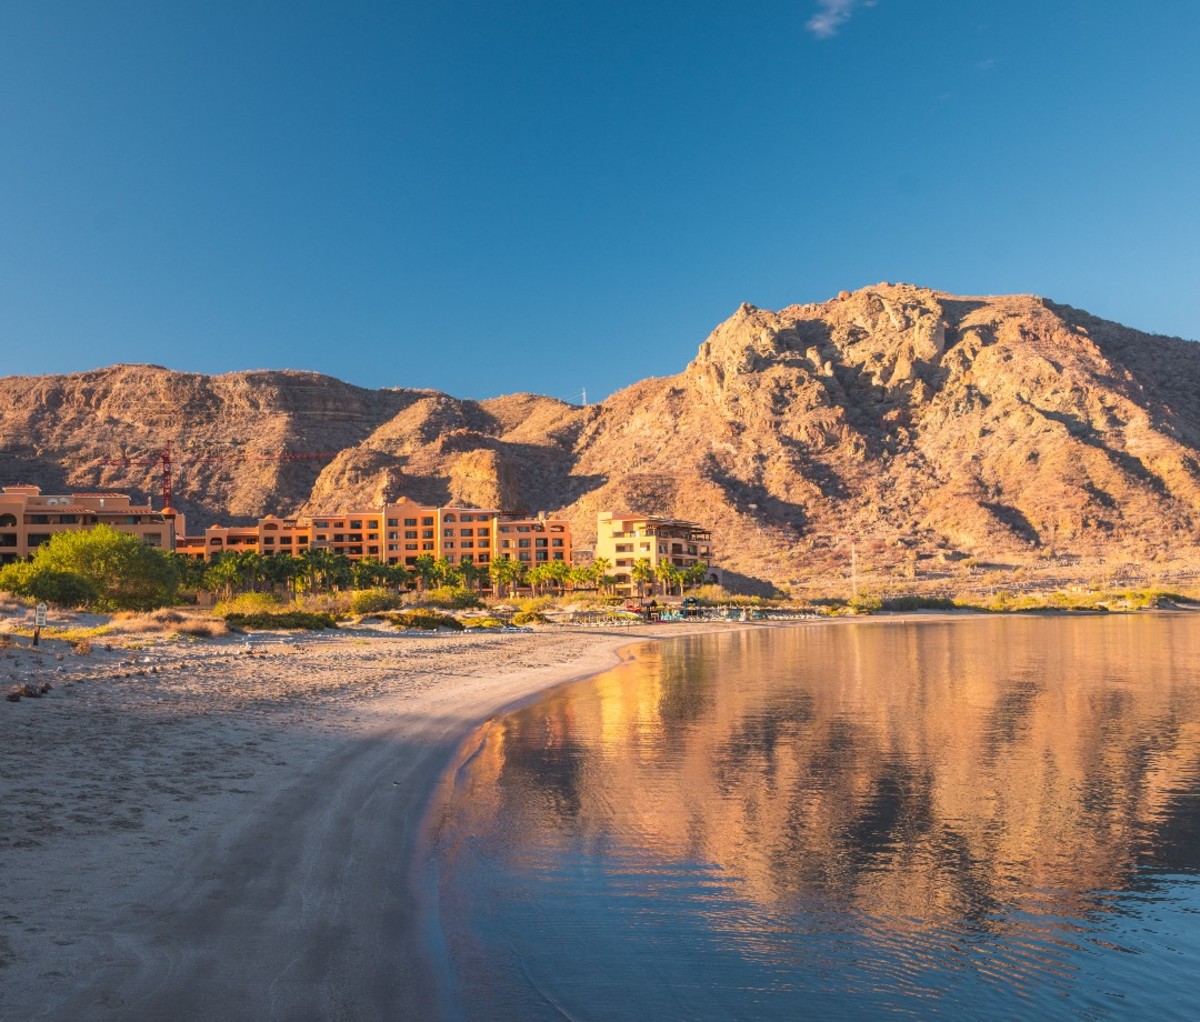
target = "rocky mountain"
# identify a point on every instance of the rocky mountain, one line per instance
(897, 416)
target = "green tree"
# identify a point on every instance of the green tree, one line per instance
(472, 574)
(425, 570)
(642, 574)
(557, 573)
(125, 573)
(62, 588)
(190, 570)
(599, 571)
(368, 573)
(281, 571)
(505, 572)
(445, 574)
(695, 575)
(223, 574)
(666, 573)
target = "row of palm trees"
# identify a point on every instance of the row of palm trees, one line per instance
(319, 570)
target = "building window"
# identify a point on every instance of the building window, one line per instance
(410, 534)
(556, 542)
(449, 544)
(522, 542)
(339, 537)
(467, 532)
(426, 546)
(285, 540)
(427, 521)
(356, 525)
(447, 532)
(410, 546)
(447, 518)
(539, 542)
(393, 523)
(427, 534)
(409, 521)
(467, 543)
(483, 533)
(543, 555)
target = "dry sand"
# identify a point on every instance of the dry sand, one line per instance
(226, 829)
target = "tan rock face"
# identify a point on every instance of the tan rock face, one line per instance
(991, 425)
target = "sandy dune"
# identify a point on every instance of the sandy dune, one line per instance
(226, 830)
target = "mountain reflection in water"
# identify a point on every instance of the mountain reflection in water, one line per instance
(989, 818)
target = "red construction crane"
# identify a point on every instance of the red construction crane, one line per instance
(164, 459)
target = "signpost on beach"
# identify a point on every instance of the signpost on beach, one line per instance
(39, 621)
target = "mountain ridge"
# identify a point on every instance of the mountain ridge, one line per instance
(924, 423)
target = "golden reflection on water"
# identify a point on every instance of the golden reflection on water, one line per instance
(993, 770)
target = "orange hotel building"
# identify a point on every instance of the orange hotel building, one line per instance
(396, 534)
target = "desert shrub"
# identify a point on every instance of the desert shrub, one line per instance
(427, 620)
(536, 604)
(167, 616)
(528, 617)
(483, 622)
(286, 619)
(373, 601)
(335, 603)
(452, 598)
(919, 603)
(81, 647)
(6, 642)
(201, 629)
(865, 603)
(249, 603)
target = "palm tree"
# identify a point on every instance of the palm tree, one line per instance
(665, 571)
(642, 573)
(599, 571)
(425, 568)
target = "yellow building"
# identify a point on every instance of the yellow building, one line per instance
(623, 538)
(29, 517)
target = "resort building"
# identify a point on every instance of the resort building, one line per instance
(396, 534)
(623, 538)
(29, 517)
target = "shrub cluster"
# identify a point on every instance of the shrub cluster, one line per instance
(373, 601)
(529, 617)
(452, 598)
(425, 619)
(286, 619)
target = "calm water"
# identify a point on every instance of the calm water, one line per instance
(989, 819)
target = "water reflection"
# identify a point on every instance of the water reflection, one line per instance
(891, 816)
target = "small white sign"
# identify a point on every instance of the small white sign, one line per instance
(40, 615)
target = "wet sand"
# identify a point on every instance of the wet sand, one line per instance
(226, 829)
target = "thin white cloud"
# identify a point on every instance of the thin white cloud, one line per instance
(832, 15)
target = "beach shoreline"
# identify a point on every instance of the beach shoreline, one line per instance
(230, 829)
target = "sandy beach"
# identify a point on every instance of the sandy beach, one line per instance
(225, 829)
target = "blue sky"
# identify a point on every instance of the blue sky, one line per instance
(485, 197)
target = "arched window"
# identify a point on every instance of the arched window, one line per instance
(6, 520)
(447, 518)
